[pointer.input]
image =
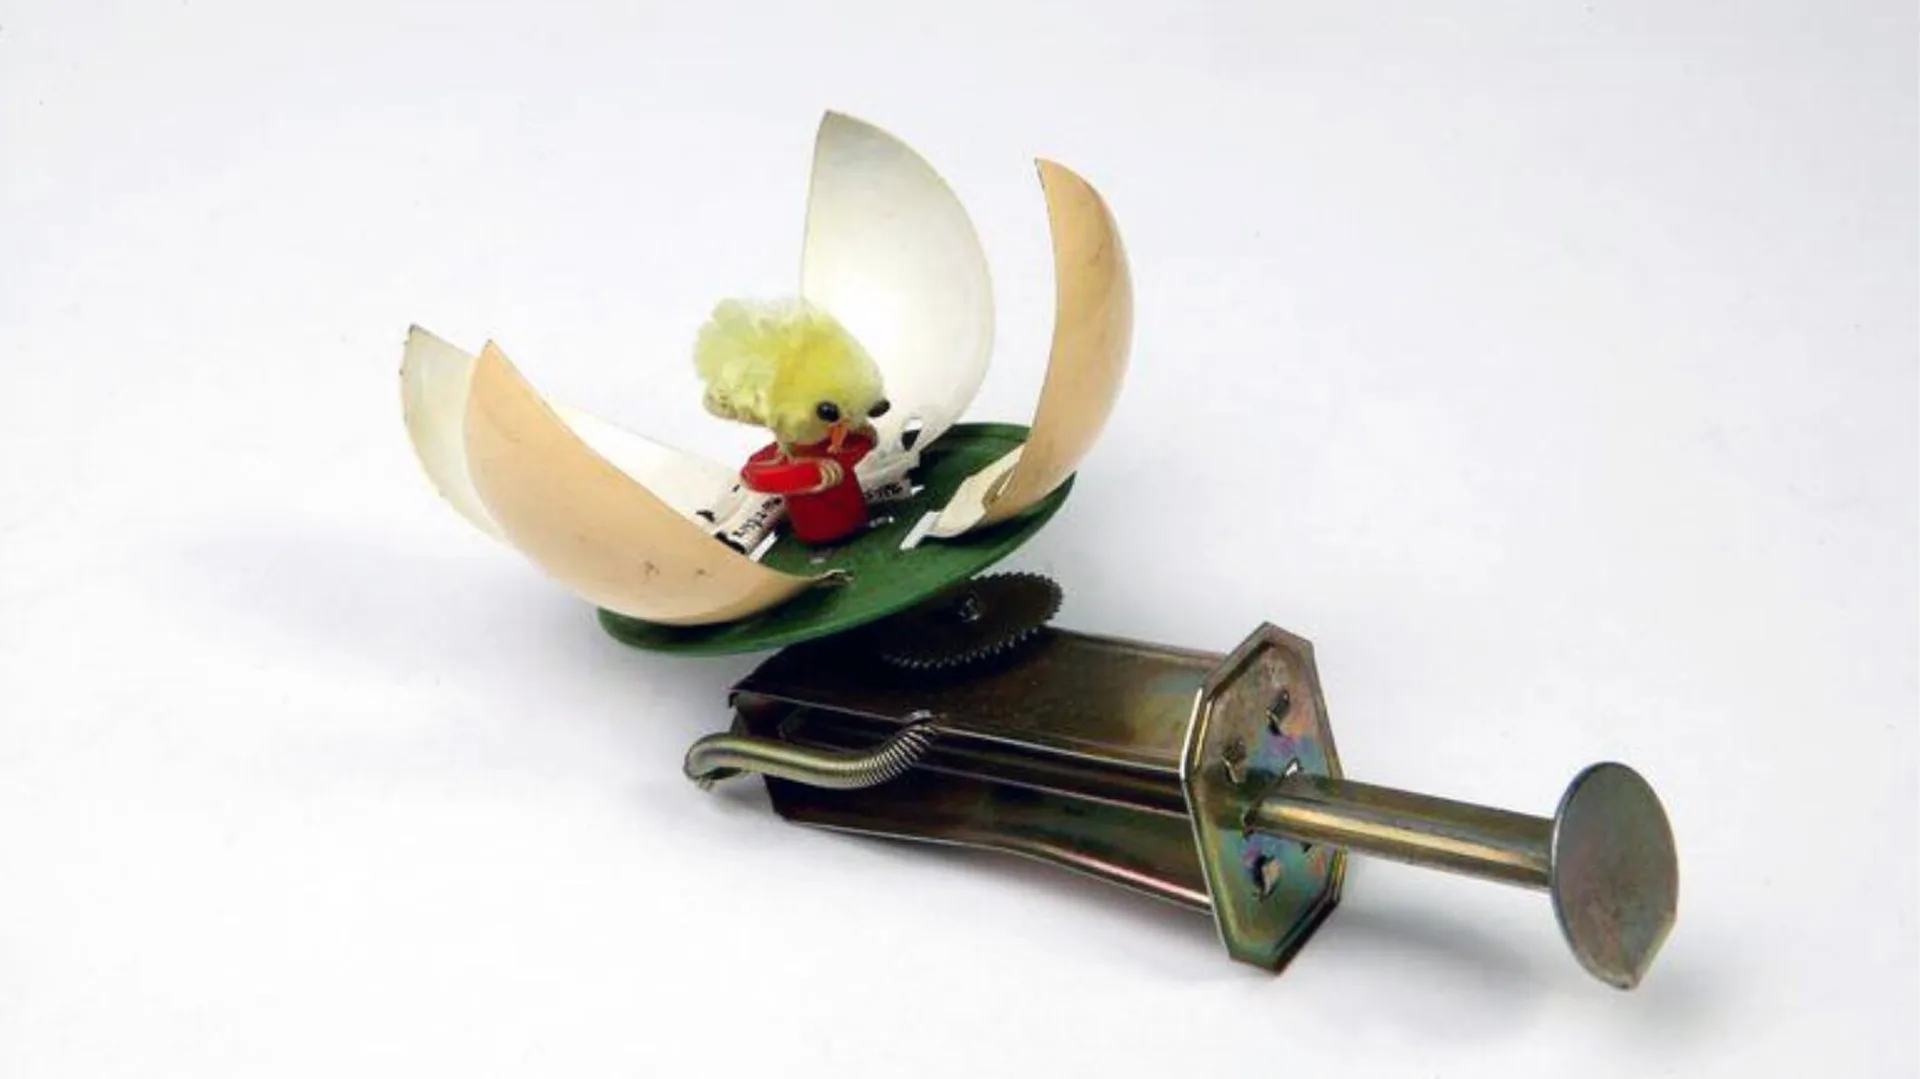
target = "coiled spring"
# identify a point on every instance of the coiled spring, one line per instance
(720, 756)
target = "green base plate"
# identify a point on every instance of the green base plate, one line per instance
(883, 579)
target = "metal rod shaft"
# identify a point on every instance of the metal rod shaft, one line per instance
(1492, 844)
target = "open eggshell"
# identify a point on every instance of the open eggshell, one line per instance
(1092, 333)
(435, 380)
(604, 511)
(890, 252)
(593, 527)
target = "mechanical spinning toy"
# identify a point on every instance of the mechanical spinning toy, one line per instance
(911, 695)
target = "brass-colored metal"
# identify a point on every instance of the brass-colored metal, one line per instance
(1259, 717)
(1068, 751)
(718, 756)
(1489, 843)
(1208, 781)
(1606, 858)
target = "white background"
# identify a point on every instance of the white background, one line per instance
(1551, 366)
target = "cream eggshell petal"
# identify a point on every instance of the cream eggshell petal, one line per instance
(1092, 333)
(591, 526)
(891, 253)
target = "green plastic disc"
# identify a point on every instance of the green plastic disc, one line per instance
(881, 579)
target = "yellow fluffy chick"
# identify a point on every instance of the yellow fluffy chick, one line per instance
(790, 367)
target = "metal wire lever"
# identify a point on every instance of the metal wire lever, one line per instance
(721, 756)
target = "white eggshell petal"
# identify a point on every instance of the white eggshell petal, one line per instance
(434, 379)
(1092, 334)
(593, 527)
(891, 253)
(685, 482)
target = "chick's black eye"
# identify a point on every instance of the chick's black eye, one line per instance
(879, 408)
(827, 411)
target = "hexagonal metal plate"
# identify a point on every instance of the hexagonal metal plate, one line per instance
(1259, 715)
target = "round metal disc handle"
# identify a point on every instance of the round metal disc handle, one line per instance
(1613, 874)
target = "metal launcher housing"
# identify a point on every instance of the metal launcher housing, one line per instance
(1206, 780)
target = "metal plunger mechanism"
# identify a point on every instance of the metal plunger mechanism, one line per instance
(1606, 857)
(1206, 780)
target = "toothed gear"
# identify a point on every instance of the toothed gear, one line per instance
(987, 617)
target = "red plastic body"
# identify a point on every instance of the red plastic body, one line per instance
(824, 500)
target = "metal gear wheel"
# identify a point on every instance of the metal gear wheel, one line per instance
(986, 617)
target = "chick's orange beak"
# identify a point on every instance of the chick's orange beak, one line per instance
(836, 436)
